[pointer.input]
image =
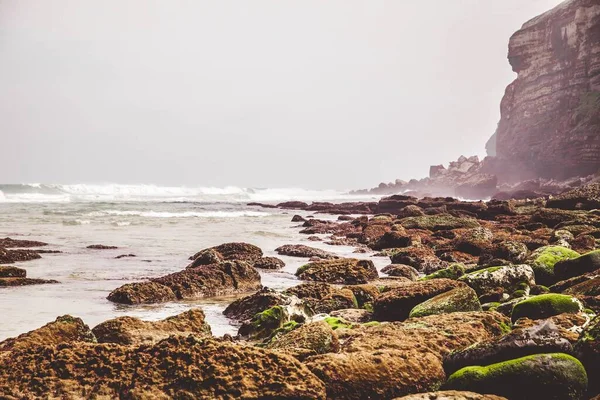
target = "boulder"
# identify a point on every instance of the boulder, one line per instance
(544, 259)
(13, 282)
(133, 331)
(314, 337)
(410, 211)
(541, 337)
(323, 298)
(509, 278)
(300, 250)
(65, 329)
(460, 299)
(12, 256)
(587, 350)
(554, 376)
(438, 222)
(9, 243)
(347, 271)
(402, 270)
(12, 272)
(177, 367)
(227, 252)
(582, 198)
(454, 271)
(269, 263)
(577, 266)
(421, 258)
(264, 324)
(396, 303)
(353, 315)
(247, 307)
(101, 247)
(545, 306)
(229, 277)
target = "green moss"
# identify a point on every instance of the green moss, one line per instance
(545, 306)
(337, 323)
(490, 306)
(479, 271)
(368, 306)
(505, 328)
(542, 262)
(519, 293)
(355, 301)
(371, 323)
(552, 376)
(454, 271)
(455, 300)
(438, 222)
(302, 269)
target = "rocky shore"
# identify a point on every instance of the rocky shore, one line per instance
(480, 300)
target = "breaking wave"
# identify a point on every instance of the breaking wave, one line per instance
(53, 193)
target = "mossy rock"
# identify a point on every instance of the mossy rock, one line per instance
(545, 306)
(543, 260)
(454, 271)
(317, 337)
(507, 278)
(587, 349)
(553, 376)
(337, 323)
(577, 266)
(438, 222)
(264, 324)
(456, 300)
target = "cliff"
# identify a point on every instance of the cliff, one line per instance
(550, 115)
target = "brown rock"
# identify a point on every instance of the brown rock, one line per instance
(348, 271)
(451, 395)
(227, 252)
(300, 250)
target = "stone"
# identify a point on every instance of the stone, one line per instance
(546, 305)
(422, 258)
(269, 263)
(300, 250)
(229, 277)
(236, 251)
(577, 266)
(451, 395)
(12, 256)
(554, 376)
(347, 271)
(323, 298)
(438, 222)
(587, 350)
(582, 198)
(247, 307)
(401, 270)
(12, 272)
(353, 315)
(544, 259)
(133, 331)
(508, 278)
(101, 247)
(177, 367)
(461, 299)
(316, 337)
(396, 303)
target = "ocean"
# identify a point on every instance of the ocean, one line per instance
(161, 226)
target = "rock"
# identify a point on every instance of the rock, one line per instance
(438, 222)
(456, 300)
(392, 239)
(451, 395)
(421, 258)
(101, 247)
(64, 329)
(544, 259)
(509, 278)
(402, 270)
(454, 271)
(582, 198)
(230, 277)
(587, 350)
(509, 250)
(372, 233)
(347, 271)
(396, 304)
(269, 263)
(125, 256)
(298, 205)
(541, 376)
(353, 315)
(9, 243)
(474, 241)
(577, 266)
(12, 272)
(300, 250)
(323, 298)
(589, 287)
(142, 293)
(265, 323)
(542, 337)
(13, 282)
(11, 256)
(410, 211)
(248, 306)
(133, 331)
(227, 252)
(316, 337)
(381, 374)
(553, 217)
(363, 294)
(177, 367)
(298, 218)
(549, 115)
(546, 305)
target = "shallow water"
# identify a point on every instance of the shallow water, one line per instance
(162, 235)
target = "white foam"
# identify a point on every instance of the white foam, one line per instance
(185, 214)
(43, 193)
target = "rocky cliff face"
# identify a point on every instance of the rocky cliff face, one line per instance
(550, 115)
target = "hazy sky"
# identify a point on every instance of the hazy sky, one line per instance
(262, 93)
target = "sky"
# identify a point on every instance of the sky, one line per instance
(338, 94)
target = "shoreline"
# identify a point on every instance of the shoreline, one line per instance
(467, 267)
